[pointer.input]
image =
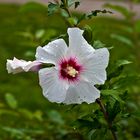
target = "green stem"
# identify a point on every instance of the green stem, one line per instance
(107, 118)
(67, 10)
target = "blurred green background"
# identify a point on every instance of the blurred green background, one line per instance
(24, 113)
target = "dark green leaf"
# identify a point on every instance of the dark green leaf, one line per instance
(100, 134)
(113, 93)
(98, 44)
(81, 18)
(88, 33)
(82, 124)
(92, 14)
(76, 3)
(117, 68)
(113, 111)
(126, 81)
(96, 12)
(52, 8)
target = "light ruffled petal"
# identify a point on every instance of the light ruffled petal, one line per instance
(82, 92)
(16, 66)
(54, 89)
(78, 46)
(52, 52)
(95, 66)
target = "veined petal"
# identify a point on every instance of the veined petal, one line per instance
(77, 44)
(53, 89)
(15, 66)
(95, 66)
(52, 52)
(82, 92)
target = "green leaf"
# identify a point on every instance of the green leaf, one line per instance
(88, 33)
(98, 44)
(13, 131)
(11, 101)
(136, 114)
(87, 125)
(26, 113)
(92, 14)
(117, 68)
(38, 115)
(122, 39)
(96, 12)
(100, 134)
(76, 3)
(52, 8)
(39, 33)
(113, 111)
(33, 7)
(50, 33)
(115, 72)
(82, 17)
(127, 28)
(113, 93)
(56, 117)
(72, 21)
(96, 135)
(121, 9)
(8, 112)
(122, 63)
(27, 35)
(126, 81)
(29, 54)
(64, 13)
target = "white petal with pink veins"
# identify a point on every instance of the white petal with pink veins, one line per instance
(81, 92)
(52, 52)
(95, 66)
(77, 44)
(54, 89)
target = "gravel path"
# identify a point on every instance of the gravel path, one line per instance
(86, 5)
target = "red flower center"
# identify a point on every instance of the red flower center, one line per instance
(70, 69)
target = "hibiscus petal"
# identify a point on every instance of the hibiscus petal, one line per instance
(77, 44)
(52, 52)
(53, 89)
(95, 66)
(15, 66)
(82, 92)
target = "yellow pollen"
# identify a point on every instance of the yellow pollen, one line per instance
(71, 71)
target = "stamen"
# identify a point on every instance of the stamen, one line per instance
(71, 71)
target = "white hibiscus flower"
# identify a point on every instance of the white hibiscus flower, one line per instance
(76, 70)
